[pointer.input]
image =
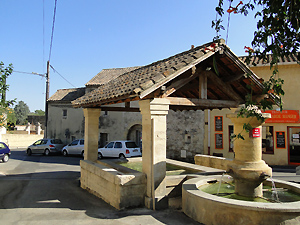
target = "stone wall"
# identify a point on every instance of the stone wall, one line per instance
(121, 190)
(20, 140)
(185, 134)
(67, 128)
(212, 161)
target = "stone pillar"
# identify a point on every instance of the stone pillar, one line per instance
(154, 128)
(248, 169)
(91, 133)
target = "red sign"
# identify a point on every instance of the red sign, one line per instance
(284, 116)
(255, 132)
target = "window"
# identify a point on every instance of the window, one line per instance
(268, 139)
(65, 113)
(37, 142)
(103, 140)
(230, 132)
(131, 145)
(56, 141)
(74, 142)
(2, 146)
(81, 142)
(118, 145)
(110, 145)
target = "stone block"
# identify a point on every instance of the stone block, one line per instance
(298, 170)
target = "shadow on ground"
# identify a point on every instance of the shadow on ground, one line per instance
(61, 189)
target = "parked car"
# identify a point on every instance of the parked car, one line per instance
(75, 148)
(4, 152)
(119, 149)
(45, 146)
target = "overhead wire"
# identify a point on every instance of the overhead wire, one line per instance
(43, 34)
(61, 75)
(32, 73)
(52, 30)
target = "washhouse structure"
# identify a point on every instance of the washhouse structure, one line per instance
(210, 76)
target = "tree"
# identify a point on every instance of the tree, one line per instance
(277, 34)
(39, 112)
(21, 112)
(5, 111)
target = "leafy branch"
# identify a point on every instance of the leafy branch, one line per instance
(5, 72)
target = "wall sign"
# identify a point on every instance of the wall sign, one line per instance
(284, 116)
(280, 139)
(218, 123)
(219, 141)
(255, 132)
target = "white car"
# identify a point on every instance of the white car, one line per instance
(75, 148)
(119, 149)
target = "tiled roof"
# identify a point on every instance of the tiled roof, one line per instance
(67, 95)
(142, 78)
(107, 75)
(133, 85)
(290, 59)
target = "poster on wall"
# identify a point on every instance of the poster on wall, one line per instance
(218, 123)
(219, 141)
(280, 139)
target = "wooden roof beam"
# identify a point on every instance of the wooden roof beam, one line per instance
(226, 88)
(204, 103)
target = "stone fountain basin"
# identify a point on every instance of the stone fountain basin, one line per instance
(210, 209)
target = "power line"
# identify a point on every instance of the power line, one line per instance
(32, 73)
(61, 75)
(43, 34)
(52, 30)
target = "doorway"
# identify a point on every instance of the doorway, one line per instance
(294, 145)
(135, 134)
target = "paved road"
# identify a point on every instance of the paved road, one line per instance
(45, 190)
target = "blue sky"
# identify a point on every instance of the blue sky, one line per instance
(91, 35)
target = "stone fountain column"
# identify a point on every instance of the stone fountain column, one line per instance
(248, 169)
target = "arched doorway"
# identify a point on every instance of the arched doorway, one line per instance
(135, 134)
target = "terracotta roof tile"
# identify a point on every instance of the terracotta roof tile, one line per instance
(67, 95)
(107, 75)
(290, 59)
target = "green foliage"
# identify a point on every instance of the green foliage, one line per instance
(21, 112)
(5, 72)
(6, 114)
(39, 112)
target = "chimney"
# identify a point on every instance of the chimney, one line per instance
(192, 46)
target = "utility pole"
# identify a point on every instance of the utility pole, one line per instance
(47, 97)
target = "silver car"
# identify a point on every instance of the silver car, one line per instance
(75, 148)
(45, 146)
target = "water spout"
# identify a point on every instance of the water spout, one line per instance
(220, 182)
(264, 176)
(274, 191)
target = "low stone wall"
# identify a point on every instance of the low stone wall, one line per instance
(212, 161)
(20, 140)
(121, 189)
